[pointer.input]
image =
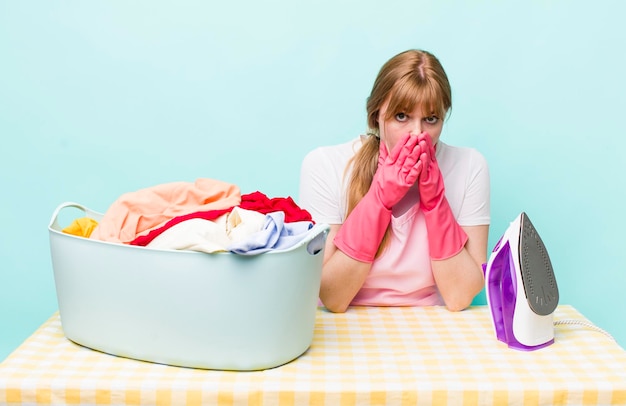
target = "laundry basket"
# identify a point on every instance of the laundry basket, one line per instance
(213, 311)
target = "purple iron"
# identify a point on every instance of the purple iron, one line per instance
(521, 288)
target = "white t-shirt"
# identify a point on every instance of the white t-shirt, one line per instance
(402, 274)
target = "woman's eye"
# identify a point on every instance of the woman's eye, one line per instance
(431, 119)
(401, 117)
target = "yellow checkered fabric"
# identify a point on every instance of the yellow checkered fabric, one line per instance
(367, 356)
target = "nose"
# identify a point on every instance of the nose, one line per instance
(416, 127)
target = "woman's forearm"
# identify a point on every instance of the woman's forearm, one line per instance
(342, 276)
(460, 278)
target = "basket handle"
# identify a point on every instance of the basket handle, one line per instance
(317, 238)
(54, 220)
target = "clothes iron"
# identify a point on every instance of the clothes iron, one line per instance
(521, 288)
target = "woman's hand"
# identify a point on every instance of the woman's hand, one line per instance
(361, 233)
(397, 171)
(431, 187)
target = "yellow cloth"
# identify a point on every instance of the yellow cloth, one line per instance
(81, 227)
(366, 356)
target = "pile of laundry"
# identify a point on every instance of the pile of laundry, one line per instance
(207, 215)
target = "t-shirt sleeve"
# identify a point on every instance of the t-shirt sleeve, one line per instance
(320, 187)
(475, 209)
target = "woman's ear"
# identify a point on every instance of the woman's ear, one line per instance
(373, 132)
(372, 121)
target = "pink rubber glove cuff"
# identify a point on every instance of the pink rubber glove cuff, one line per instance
(361, 234)
(446, 238)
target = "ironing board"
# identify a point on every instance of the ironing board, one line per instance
(393, 356)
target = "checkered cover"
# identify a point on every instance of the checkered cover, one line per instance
(392, 356)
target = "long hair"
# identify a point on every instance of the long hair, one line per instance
(410, 79)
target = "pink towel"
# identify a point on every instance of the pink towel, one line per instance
(138, 212)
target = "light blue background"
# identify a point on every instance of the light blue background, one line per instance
(101, 98)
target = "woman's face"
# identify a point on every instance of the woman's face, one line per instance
(412, 122)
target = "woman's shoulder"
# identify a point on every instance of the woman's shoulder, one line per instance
(447, 152)
(455, 149)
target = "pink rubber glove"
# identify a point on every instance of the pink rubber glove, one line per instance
(361, 234)
(446, 238)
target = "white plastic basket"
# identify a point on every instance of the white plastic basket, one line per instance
(214, 311)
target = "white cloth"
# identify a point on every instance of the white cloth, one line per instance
(402, 275)
(211, 235)
(241, 231)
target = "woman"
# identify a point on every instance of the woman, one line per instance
(408, 214)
